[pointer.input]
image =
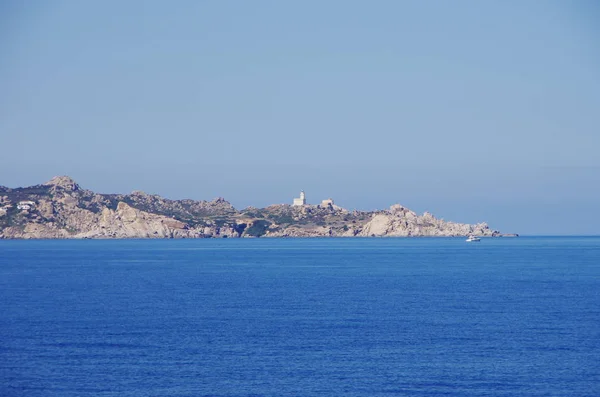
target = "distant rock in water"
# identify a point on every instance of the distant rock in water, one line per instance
(60, 208)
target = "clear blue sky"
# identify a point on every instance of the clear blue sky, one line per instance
(473, 110)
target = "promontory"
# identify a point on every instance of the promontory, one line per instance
(60, 209)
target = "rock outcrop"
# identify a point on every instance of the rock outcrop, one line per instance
(402, 222)
(60, 208)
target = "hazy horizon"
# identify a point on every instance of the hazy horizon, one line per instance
(473, 111)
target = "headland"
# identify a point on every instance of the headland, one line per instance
(60, 209)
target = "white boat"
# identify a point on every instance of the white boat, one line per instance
(473, 239)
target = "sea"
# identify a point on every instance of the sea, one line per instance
(300, 317)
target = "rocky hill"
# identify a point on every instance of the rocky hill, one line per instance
(60, 208)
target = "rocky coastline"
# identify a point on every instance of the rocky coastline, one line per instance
(61, 209)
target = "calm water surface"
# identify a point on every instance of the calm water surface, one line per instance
(315, 317)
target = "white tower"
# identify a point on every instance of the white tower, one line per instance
(301, 200)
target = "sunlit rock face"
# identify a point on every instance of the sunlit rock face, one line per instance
(60, 208)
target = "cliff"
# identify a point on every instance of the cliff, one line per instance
(60, 208)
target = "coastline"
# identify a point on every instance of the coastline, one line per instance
(61, 209)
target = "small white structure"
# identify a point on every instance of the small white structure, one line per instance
(301, 200)
(327, 203)
(25, 205)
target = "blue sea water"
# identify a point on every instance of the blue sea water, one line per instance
(301, 317)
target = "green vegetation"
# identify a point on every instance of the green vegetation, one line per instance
(12, 217)
(4, 221)
(93, 207)
(258, 228)
(239, 228)
(254, 213)
(25, 193)
(71, 230)
(220, 222)
(282, 219)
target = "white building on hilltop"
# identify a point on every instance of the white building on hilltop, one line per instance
(25, 205)
(301, 200)
(327, 203)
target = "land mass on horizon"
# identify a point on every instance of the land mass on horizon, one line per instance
(60, 208)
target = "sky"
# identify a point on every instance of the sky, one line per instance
(472, 110)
